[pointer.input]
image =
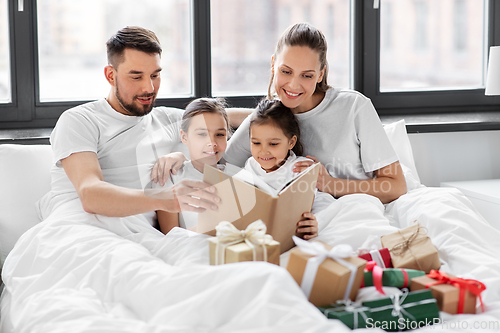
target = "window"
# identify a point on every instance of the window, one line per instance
(430, 56)
(242, 45)
(460, 25)
(5, 93)
(432, 63)
(408, 56)
(421, 30)
(72, 35)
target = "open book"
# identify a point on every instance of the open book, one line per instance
(245, 199)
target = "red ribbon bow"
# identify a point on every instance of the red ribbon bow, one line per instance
(377, 272)
(473, 286)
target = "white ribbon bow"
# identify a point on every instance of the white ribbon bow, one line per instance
(228, 234)
(377, 257)
(398, 306)
(320, 253)
(350, 306)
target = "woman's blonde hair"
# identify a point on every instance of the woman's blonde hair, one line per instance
(303, 34)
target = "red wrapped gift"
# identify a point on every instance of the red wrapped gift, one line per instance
(454, 295)
(382, 257)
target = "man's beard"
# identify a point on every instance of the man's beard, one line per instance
(132, 108)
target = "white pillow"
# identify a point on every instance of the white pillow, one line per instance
(24, 178)
(396, 132)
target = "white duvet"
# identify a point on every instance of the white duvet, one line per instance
(77, 272)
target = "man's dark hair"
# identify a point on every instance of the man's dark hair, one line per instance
(136, 38)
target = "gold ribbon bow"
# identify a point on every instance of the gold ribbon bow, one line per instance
(228, 234)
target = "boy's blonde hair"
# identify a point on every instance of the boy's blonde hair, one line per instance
(202, 105)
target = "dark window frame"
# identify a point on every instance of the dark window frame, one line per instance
(25, 110)
(418, 102)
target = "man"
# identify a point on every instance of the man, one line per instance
(110, 270)
(103, 146)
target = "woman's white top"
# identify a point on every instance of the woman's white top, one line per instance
(343, 132)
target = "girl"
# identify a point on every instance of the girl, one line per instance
(204, 130)
(341, 128)
(275, 147)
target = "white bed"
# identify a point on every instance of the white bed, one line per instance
(87, 273)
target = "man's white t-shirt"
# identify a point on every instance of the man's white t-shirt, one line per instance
(343, 132)
(126, 146)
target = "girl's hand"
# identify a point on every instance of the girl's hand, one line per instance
(165, 164)
(307, 228)
(325, 181)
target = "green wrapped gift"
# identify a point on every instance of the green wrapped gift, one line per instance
(409, 310)
(351, 314)
(394, 277)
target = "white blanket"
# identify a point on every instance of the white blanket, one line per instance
(77, 272)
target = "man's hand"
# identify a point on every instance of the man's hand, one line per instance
(166, 164)
(187, 195)
(100, 197)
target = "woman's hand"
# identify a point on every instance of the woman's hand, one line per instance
(325, 181)
(166, 164)
(307, 228)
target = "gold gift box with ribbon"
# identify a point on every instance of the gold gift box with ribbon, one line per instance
(412, 248)
(326, 274)
(252, 244)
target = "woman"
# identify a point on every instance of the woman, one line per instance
(341, 128)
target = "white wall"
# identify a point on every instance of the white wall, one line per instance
(454, 156)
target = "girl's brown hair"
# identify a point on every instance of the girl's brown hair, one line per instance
(272, 111)
(202, 105)
(303, 34)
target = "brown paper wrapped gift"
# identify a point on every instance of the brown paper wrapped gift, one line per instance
(332, 278)
(446, 290)
(232, 245)
(412, 248)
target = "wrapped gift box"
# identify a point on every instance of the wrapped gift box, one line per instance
(353, 315)
(332, 278)
(403, 312)
(446, 294)
(412, 248)
(243, 252)
(383, 254)
(394, 277)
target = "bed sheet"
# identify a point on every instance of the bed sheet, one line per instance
(80, 272)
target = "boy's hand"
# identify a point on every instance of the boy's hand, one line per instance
(166, 164)
(307, 228)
